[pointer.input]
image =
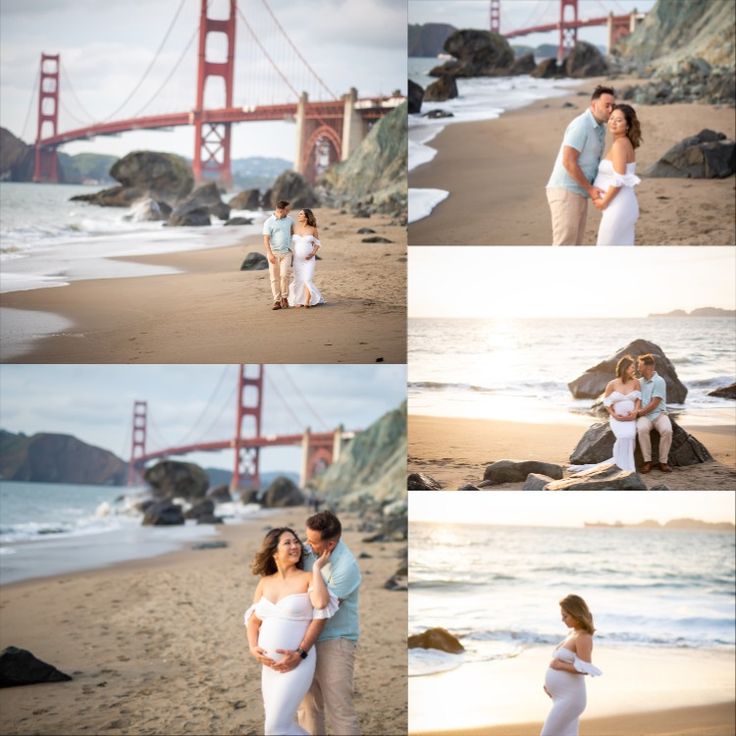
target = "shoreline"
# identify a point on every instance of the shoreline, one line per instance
(484, 209)
(215, 311)
(455, 451)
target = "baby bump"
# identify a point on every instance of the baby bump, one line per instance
(280, 633)
(302, 248)
(561, 684)
(623, 407)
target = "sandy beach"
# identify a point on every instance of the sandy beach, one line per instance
(496, 171)
(455, 451)
(213, 312)
(158, 646)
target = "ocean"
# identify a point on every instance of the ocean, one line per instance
(479, 98)
(56, 528)
(497, 588)
(519, 369)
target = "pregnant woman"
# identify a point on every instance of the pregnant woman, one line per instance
(289, 610)
(564, 681)
(622, 399)
(617, 179)
(305, 243)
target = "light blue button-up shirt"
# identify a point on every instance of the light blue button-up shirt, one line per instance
(279, 233)
(587, 136)
(654, 387)
(342, 577)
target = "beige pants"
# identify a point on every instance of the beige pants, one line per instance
(331, 696)
(280, 273)
(643, 429)
(569, 213)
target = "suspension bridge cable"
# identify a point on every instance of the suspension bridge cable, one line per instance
(296, 50)
(226, 403)
(150, 66)
(71, 114)
(74, 94)
(30, 105)
(284, 402)
(159, 438)
(301, 395)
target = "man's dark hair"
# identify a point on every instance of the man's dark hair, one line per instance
(601, 90)
(647, 359)
(326, 523)
(282, 204)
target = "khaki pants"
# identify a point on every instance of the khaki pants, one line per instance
(331, 696)
(569, 213)
(643, 429)
(280, 273)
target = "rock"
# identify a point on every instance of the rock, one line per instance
(468, 487)
(585, 61)
(511, 471)
(148, 210)
(707, 155)
(422, 482)
(365, 556)
(254, 262)
(204, 200)
(399, 580)
(20, 667)
(660, 487)
(416, 95)
(436, 638)
(239, 221)
(163, 513)
(592, 383)
(12, 151)
(536, 482)
(118, 196)
(210, 519)
(567, 104)
(376, 239)
(204, 508)
(217, 544)
(365, 231)
(199, 217)
(548, 69)
(477, 54)
(607, 478)
(426, 39)
(524, 64)
(220, 494)
(282, 492)
(434, 114)
(295, 189)
(725, 392)
(445, 88)
(248, 495)
(250, 199)
(171, 478)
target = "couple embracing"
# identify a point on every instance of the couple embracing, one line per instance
(291, 249)
(581, 172)
(303, 629)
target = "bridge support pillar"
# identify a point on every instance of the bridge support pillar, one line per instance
(46, 162)
(301, 134)
(304, 474)
(246, 471)
(337, 443)
(568, 34)
(353, 129)
(138, 442)
(495, 16)
(620, 27)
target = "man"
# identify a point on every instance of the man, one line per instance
(653, 414)
(575, 169)
(277, 232)
(330, 698)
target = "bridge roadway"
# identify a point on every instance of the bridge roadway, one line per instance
(601, 21)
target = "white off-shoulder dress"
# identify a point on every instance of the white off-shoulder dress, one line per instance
(568, 694)
(625, 432)
(620, 216)
(283, 626)
(302, 290)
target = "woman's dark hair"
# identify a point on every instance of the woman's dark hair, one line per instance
(624, 362)
(326, 523)
(601, 90)
(263, 563)
(311, 219)
(633, 126)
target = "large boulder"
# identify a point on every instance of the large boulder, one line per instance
(282, 492)
(20, 667)
(548, 69)
(445, 88)
(606, 478)
(592, 383)
(725, 392)
(536, 482)
(415, 97)
(585, 61)
(436, 638)
(511, 471)
(174, 479)
(254, 261)
(196, 209)
(250, 199)
(220, 494)
(707, 155)
(163, 513)
(477, 54)
(148, 210)
(422, 482)
(293, 188)
(205, 507)
(523, 64)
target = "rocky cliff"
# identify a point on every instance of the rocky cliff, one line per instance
(58, 458)
(373, 464)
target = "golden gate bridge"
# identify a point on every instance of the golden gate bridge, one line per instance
(319, 449)
(327, 130)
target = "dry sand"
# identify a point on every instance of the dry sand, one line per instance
(496, 172)
(159, 647)
(215, 313)
(455, 451)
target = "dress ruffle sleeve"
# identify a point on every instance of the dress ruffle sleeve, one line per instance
(586, 667)
(329, 610)
(624, 180)
(608, 400)
(249, 613)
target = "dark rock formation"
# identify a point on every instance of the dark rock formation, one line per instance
(548, 69)
(608, 478)
(536, 482)
(399, 580)
(427, 39)
(282, 492)
(707, 155)
(173, 479)
(468, 487)
(592, 383)
(445, 88)
(192, 217)
(585, 61)
(204, 507)
(726, 392)
(437, 638)
(247, 200)
(254, 262)
(416, 95)
(434, 114)
(163, 513)
(294, 188)
(477, 54)
(239, 221)
(148, 210)
(196, 209)
(220, 494)
(511, 471)
(217, 544)
(20, 667)
(524, 64)
(12, 152)
(376, 239)
(422, 482)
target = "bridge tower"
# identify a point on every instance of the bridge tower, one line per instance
(568, 34)
(329, 137)
(138, 442)
(495, 16)
(249, 407)
(212, 140)
(46, 162)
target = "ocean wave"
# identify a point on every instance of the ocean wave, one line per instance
(431, 661)
(440, 386)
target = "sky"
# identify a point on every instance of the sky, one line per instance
(529, 282)
(522, 14)
(569, 509)
(187, 403)
(106, 47)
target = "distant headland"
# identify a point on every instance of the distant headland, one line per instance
(702, 312)
(691, 524)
